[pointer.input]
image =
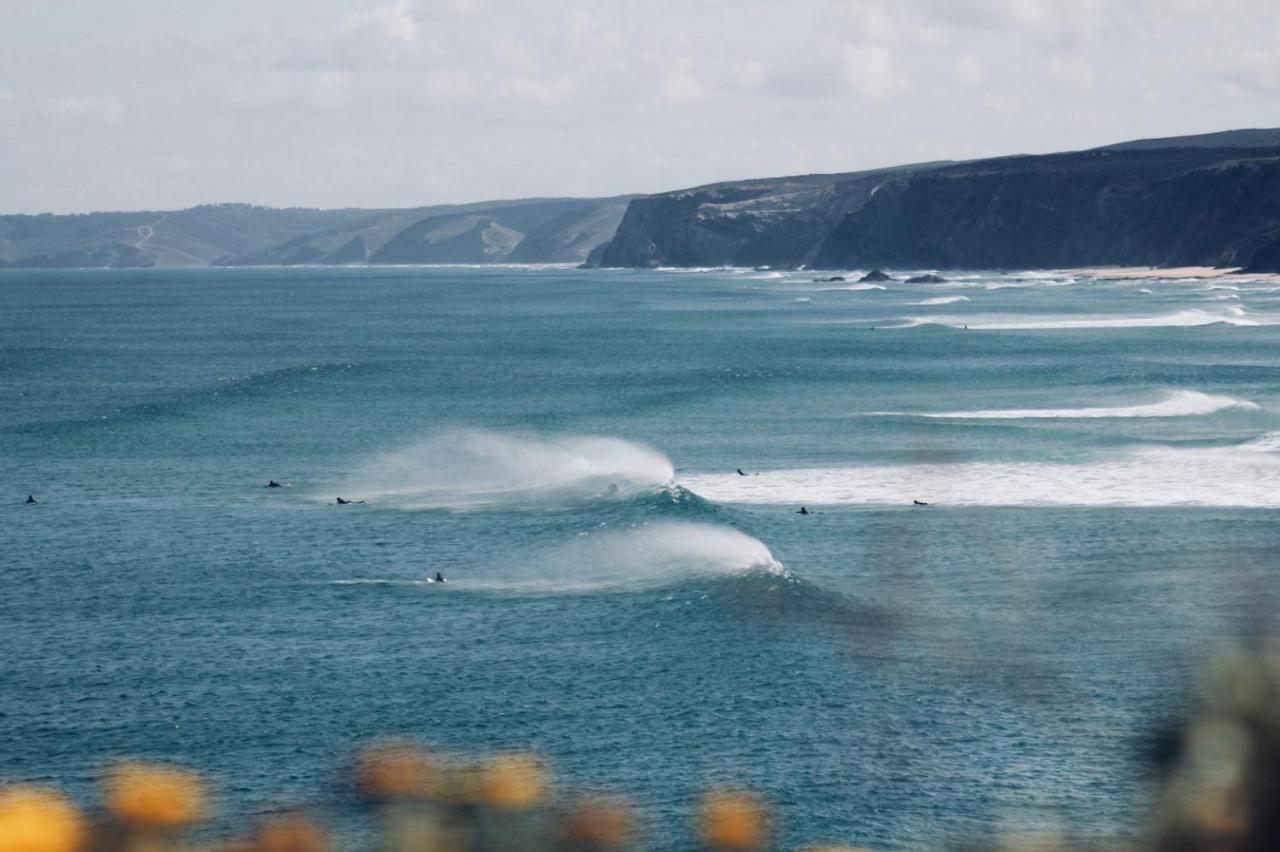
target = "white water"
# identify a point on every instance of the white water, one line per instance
(1234, 315)
(1180, 403)
(1233, 476)
(942, 300)
(473, 469)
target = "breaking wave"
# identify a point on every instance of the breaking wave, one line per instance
(1233, 315)
(656, 554)
(1180, 403)
(1221, 477)
(942, 300)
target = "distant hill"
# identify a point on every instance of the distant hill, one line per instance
(522, 231)
(1252, 138)
(1204, 200)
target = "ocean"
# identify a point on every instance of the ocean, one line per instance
(1100, 459)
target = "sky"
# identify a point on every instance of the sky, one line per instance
(164, 104)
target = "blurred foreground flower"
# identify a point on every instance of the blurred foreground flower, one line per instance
(1223, 786)
(732, 820)
(148, 797)
(289, 833)
(513, 782)
(36, 820)
(598, 824)
(392, 771)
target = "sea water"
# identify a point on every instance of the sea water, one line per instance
(1100, 459)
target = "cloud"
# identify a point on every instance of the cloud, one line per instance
(105, 109)
(545, 91)
(291, 90)
(680, 87)
(1074, 70)
(870, 70)
(394, 21)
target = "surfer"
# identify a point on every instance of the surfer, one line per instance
(342, 502)
(740, 473)
(271, 483)
(919, 503)
(613, 489)
(439, 577)
(803, 511)
(31, 499)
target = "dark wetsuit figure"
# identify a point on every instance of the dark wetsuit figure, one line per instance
(919, 503)
(342, 502)
(31, 499)
(740, 473)
(803, 511)
(439, 577)
(273, 484)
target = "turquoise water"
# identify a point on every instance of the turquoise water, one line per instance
(1100, 460)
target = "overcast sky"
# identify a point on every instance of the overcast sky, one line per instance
(161, 104)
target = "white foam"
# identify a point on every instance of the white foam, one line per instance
(861, 287)
(1233, 315)
(471, 469)
(1179, 403)
(1268, 443)
(654, 554)
(941, 300)
(1223, 477)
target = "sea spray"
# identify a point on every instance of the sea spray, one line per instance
(474, 469)
(643, 556)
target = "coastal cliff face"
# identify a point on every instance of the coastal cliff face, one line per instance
(1132, 204)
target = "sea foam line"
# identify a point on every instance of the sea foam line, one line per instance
(1234, 315)
(1178, 403)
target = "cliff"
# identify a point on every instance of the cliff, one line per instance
(1214, 200)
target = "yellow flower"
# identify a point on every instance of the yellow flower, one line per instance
(36, 820)
(149, 796)
(513, 781)
(601, 824)
(396, 770)
(292, 833)
(732, 820)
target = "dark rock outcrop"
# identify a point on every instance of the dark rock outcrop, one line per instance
(875, 276)
(930, 278)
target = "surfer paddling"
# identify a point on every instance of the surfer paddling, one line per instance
(342, 502)
(271, 483)
(804, 511)
(31, 499)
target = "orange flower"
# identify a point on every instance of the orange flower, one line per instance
(396, 770)
(154, 797)
(513, 781)
(291, 833)
(601, 824)
(732, 820)
(36, 820)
